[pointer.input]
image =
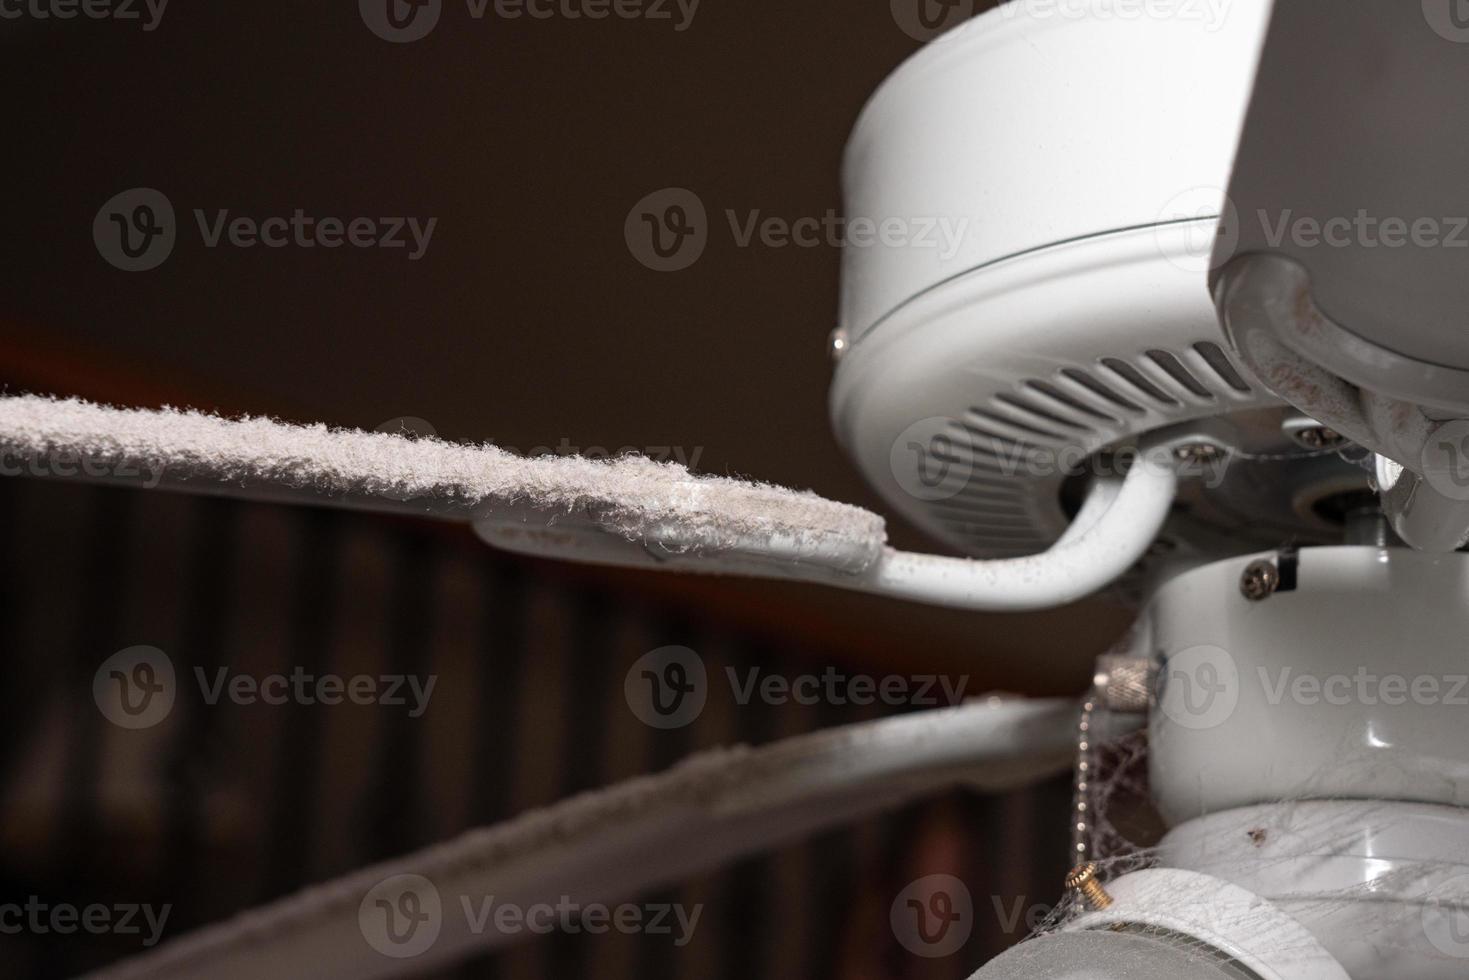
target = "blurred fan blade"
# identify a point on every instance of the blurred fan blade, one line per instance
(615, 844)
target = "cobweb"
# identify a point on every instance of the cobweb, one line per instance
(1307, 856)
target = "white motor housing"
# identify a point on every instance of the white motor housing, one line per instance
(1043, 187)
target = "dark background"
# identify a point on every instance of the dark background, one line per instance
(528, 322)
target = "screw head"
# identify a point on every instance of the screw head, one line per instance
(1260, 580)
(1084, 880)
(1319, 437)
(1197, 452)
(838, 343)
(1081, 875)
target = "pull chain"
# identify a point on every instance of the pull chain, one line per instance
(1082, 794)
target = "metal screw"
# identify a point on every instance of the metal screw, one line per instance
(1197, 452)
(1260, 580)
(838, 343)
(1084, 880)
(1318, 437)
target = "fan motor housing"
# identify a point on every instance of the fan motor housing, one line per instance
(1049, 181)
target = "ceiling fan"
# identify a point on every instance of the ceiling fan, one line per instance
(1204, 343)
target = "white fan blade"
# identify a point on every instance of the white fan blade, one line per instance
(625, 511)
(614, 844)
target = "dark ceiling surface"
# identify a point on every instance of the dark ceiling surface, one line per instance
(526, 321)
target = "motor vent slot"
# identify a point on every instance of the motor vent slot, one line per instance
(1091, 384)
(1015, 450)
(1174, 368)
(1127, 372)
(1213, 355)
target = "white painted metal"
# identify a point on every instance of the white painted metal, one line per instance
(1383, 886)
(1114, 528)
(1219, 915)
(1077, 153)
(1353, 685)
(1039, 123)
